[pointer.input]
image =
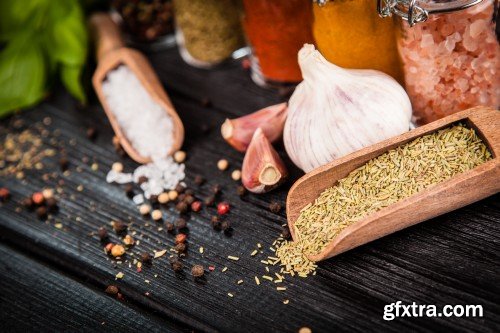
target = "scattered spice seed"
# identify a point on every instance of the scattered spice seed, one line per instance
(215, 221)
(267, 277)
(129, 191)
(181, 223)
(281, 288)
(156, 215)
(257, 281)
(222, 164)
(239, 282)
(41, 212)
(197, 271)
(180, 238)
(199, 180)
(153, 199)
(286, 301)
(189, 199)
(179, 156)
(142, 179)
(27, 203)
(182, 207)
(170, 227)
(233, 258)
(112, 290)
(91, 133)
(172, 195)
(160, 253)
(128, 240)
(173, 258)
(177, 266)
(108, 247)
(38, 198)
(119, 226)
(180, 248)
(305, 330)
(51, 205)
(285, 232)
(211, 268)
(224, 269)
(275, 207)
(117, 250)
(119, 275)
(236, 175)
(196, 206)
(226, 226)
(223, 208)
(48, 193)
(63, 164)
(163, 198)
(216, 189)
(210, 201)
(180, 188)
(241, 191)
(117, 167)
(201, 249)
(144, 209)
(146, 257)
(230, 295)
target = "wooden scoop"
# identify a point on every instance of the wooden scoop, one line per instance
(456, 192)
(111, 53)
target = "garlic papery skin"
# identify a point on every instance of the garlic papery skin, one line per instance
(238, 132)
(263, 169)
(335, 111)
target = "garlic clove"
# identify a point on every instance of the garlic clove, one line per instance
(238, 132)
(263, 169)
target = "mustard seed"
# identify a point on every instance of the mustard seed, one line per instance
(142, 179)
(51, 205)
(182, 207)
(27, 203)
(275, 207)
(241, 191)
(41, 212)
(210, 201)
(170, 227)
(63, 164)
(129, 191)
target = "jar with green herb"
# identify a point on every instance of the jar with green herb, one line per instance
(208, 31)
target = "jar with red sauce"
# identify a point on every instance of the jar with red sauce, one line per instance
(276, 30)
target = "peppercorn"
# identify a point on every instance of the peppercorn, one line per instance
(189, 191)
(225, 226)
(223, 208)
(51, 205)
(189, 199)
(182, 207)
(241, 191)
(41, 212)
(128, 240)
(48, 193)
(170, 227)
(156, 215)
(4, 194)
(180, 248)
(129, 191)
(196, 206)
(222, 164)
(275, 207)
(197, 271)
(102, 233)
(119, 226)
(27, 203)
(177, 266)
(91, 133)
(142, 179)
(215, 221)
(37, 198)
(216, 189)
(210, 201)
(179, 156)
(206, 102)
(180, 238)
(172, 195)
(108, 247)
(236, 175)
(181, 197)
(180, 223)
(285, 232)
(146, 258)
(117, 250)
(163, 198)
(112, 290)
(173, 258)
(199, 180)
(153, 199)
(180, 188)
(144, 209)
(63, 163)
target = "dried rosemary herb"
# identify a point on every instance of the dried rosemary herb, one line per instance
(382, 181)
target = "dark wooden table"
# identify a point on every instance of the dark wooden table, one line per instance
(53, 279)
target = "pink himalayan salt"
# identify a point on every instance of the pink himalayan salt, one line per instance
(452, 62)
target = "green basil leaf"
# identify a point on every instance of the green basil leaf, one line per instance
(22, 74)
(70, 77)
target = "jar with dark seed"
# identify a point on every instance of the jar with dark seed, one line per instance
(41, 212)
(182, 207)
(177, 266)
(129, 191)
(275, 207)
(197, 271)
(210, 201)
(102, 233)
(51, 205)
(119, 227)
(146, 258)
(180, 248)
(181, 223)
(199, 180)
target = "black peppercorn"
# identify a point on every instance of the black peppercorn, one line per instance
(189, 191)
(102, 233)
(241, 191)
(216, 189)
(41, 212)
(27, 203)
(180, 189)
(225, 226)
(142, 179)
(199, 180)
(210, 201)
(189, 199)
(146, 258)
(129, 191)
(173, 259)
(182, 207)
(180, 248)
(51, 205)
(197, 271)
(286, 233)
(91, 133)
(177, 266)
(275, 207)
(64, 164)
(215, 221)
(119, 227)
(180, 223)
(112, 290)
(170, 227)
(153, 199)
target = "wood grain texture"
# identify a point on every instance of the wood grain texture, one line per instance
(444, 197)
(452, 259)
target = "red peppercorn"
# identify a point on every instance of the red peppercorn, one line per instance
(108, 247)
(180, 238)
(196, 206)
(37, 198)
(223, 208)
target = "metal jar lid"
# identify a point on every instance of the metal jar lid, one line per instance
(416, 11)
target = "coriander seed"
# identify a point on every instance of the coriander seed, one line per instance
(180, 238)
(128, 240)
(47, 193)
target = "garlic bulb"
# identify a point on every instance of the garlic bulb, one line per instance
(336, 111)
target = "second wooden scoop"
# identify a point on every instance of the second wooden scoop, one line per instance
(111, 53)
(456, 192)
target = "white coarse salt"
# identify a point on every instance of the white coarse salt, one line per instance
(145, 123)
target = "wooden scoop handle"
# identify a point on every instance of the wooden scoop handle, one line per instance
(106, 34)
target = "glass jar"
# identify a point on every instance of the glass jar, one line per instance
(276, 30)
(350, 34)
(450, 54)
(146, 23)
(208, 31)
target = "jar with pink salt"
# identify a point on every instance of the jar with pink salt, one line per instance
(450, 54)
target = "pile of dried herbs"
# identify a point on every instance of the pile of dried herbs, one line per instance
(382, 181)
